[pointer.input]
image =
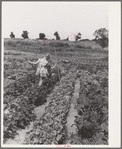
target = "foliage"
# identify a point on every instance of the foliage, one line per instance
(25, 94)
(12, 35)
(101, 35)
(25, 34)
(57, 36)
(92, 122)
(20, 98)
(49, 129)
(78, 36)
(103, 42)
(10, 43)
(67, 38)
(41, 36)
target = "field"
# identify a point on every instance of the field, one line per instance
(41, 115)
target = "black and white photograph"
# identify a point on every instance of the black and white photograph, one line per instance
(57, 87)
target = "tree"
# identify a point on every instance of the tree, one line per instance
(25, 34)
(41, 36)
(12, 35)
(57, 36)
(101, 33)
(101, 36)
(78, 36)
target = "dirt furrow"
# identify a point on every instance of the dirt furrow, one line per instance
(71, 129)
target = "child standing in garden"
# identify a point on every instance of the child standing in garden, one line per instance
(43, 68)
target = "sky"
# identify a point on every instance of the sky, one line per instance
(68, 18)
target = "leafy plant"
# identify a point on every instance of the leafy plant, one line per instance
(23, 96)
(93, 108)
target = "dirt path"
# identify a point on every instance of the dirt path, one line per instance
(38, 111)
(71, 129)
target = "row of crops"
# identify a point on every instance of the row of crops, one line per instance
(92, 107)
(20, 98)
(50, 128)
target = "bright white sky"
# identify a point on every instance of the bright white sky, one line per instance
(67, 18)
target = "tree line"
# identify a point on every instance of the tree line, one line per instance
(42, 36)
(101, 36)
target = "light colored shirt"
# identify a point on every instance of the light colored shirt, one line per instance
(41, 70)
(42, 62)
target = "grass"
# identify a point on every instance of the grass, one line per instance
(32, 43)
(59, 44)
